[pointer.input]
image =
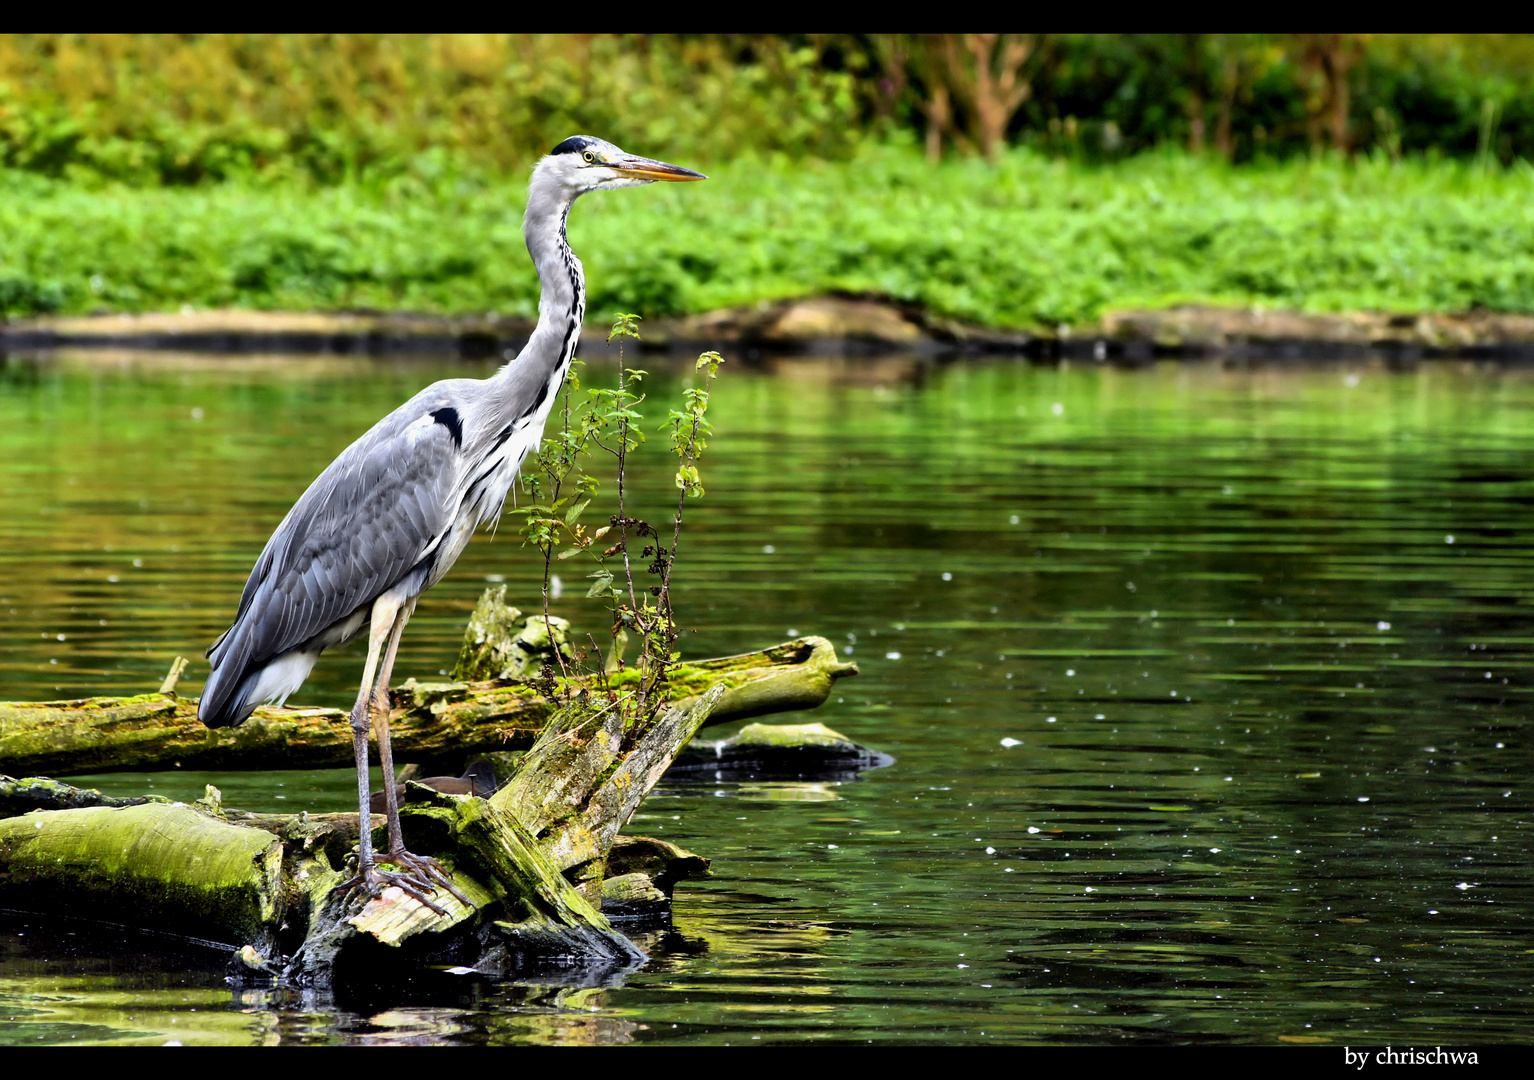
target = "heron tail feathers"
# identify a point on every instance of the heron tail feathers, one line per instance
(235, 689)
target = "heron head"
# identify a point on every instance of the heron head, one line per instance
(583, 163)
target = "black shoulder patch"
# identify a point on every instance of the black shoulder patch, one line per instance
(448, 418)
(573, 145)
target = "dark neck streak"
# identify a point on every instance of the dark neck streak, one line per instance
(577, 310)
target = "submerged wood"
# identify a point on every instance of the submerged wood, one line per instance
(779, 752)
(431, 720)
(41, 793)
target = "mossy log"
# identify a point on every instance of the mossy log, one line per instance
(200, 877)
(779, 752)
(431, 721)
(535, 859)
(532, 860)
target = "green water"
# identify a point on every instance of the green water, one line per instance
(1207, 684)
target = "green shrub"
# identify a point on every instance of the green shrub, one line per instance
(1029, 242)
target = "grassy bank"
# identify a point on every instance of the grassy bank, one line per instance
(1031, 242)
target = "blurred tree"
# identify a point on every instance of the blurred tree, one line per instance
(972, 85)
(184, 108)
(192, 108)
(1327, 61)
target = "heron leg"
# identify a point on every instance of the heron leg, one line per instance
(422, 867)
(369, 878)
(381, 707)
(360, 748)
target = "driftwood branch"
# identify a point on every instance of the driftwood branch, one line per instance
(430, 721)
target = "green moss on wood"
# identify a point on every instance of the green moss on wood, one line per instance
(787, 736)
(20, 796)
(430, 721)
(164, 866)
(501, 643)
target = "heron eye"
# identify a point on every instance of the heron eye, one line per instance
(589, 156)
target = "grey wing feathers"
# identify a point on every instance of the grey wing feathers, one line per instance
(372, 518)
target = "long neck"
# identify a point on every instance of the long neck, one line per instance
(562, 307)
(540, 367)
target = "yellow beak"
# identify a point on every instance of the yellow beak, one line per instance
(641, 168)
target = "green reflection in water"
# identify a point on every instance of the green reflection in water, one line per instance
(1208, 685)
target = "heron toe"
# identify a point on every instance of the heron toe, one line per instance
(420, 877)
(420, 867)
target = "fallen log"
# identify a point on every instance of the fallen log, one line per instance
(532, 860)
(538, 859)
(432, 721)
(186, 870)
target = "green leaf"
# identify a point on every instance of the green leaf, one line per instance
(625, 325)
(575, 511)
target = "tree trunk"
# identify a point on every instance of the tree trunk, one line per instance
(1339, 66)
(1195, 106)
(1230, 86)
(1327, 61)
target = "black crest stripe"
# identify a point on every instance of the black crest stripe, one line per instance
(574, 144)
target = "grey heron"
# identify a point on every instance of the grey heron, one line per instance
(389, 517)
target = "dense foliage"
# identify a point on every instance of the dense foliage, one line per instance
(179, 109)
(1028, 241)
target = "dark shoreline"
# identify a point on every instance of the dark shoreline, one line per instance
(827, 325)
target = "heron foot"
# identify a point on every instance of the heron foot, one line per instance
(427, 870)
(420, 877)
